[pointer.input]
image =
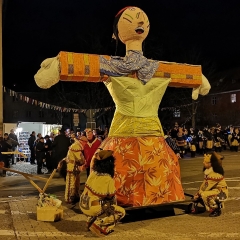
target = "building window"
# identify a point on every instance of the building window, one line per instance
(41, 114)
(233, 98)
(177, 113)
(214, 100)
(28, 113)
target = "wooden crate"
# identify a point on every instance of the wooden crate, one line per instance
(49, 214)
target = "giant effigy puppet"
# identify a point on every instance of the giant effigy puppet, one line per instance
(147, 170)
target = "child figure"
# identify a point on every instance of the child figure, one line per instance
(70, 168)
(98, 201)
(214, 187)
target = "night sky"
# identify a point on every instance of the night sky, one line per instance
(205, 32)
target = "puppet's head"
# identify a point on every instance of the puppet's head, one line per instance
(131, 26)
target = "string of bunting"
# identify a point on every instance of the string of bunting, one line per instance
(177, 107)
(47, 105)
(65, 109)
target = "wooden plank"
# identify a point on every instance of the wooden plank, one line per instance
(34, 184)
(16, 152)
(49, 179)
(24, 174)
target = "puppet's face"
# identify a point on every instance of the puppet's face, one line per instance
(133, 25)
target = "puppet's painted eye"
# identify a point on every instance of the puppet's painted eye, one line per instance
(132, 9)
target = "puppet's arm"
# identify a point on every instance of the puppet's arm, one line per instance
(203, 89)
(49, 73)
(68, 66)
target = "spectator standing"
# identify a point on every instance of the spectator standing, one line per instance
(31, 142)
(4, 146)
(72, 138)
(48, 147)
(90, 148)
(172, 143)
(181, 141)
(40, 154)
(13, 137)
(235, 139)
(60, 147)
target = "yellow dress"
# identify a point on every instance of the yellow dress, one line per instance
(212, 185)
(98, 187)
(147, 170)
(74, 159)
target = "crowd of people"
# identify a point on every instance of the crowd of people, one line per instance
(201, 141)
(45, 151)
(8, 144)
(51, 149)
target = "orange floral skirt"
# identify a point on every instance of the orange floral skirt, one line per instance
(147, 171)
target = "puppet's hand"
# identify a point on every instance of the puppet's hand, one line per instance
(202, 89)
(196, 196)
(49, 73)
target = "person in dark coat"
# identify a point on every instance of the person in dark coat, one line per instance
(15, 143)
(40, 154)
(31, 142)
(48, 146)
(4, 146)
(60, 147)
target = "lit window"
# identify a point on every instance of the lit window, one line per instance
(233, 98)
(214, 100)
(176, 113)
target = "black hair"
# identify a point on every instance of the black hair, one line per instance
(217, 167)
(104, 166)
(216, 164)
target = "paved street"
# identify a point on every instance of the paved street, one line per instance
(18, 199)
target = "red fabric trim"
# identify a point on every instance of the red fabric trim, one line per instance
(215, 179)
(74, 150)
(122, 10)
(100, 229)
(99, 195)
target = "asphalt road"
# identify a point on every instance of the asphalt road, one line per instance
(165, 222)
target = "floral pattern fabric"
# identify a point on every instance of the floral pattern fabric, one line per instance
(147, 171)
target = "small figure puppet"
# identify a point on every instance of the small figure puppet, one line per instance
(69, 168)
(147, 170)
(214, 188)
(98, 201)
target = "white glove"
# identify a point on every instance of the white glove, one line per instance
(49, 73)
(203, 89)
